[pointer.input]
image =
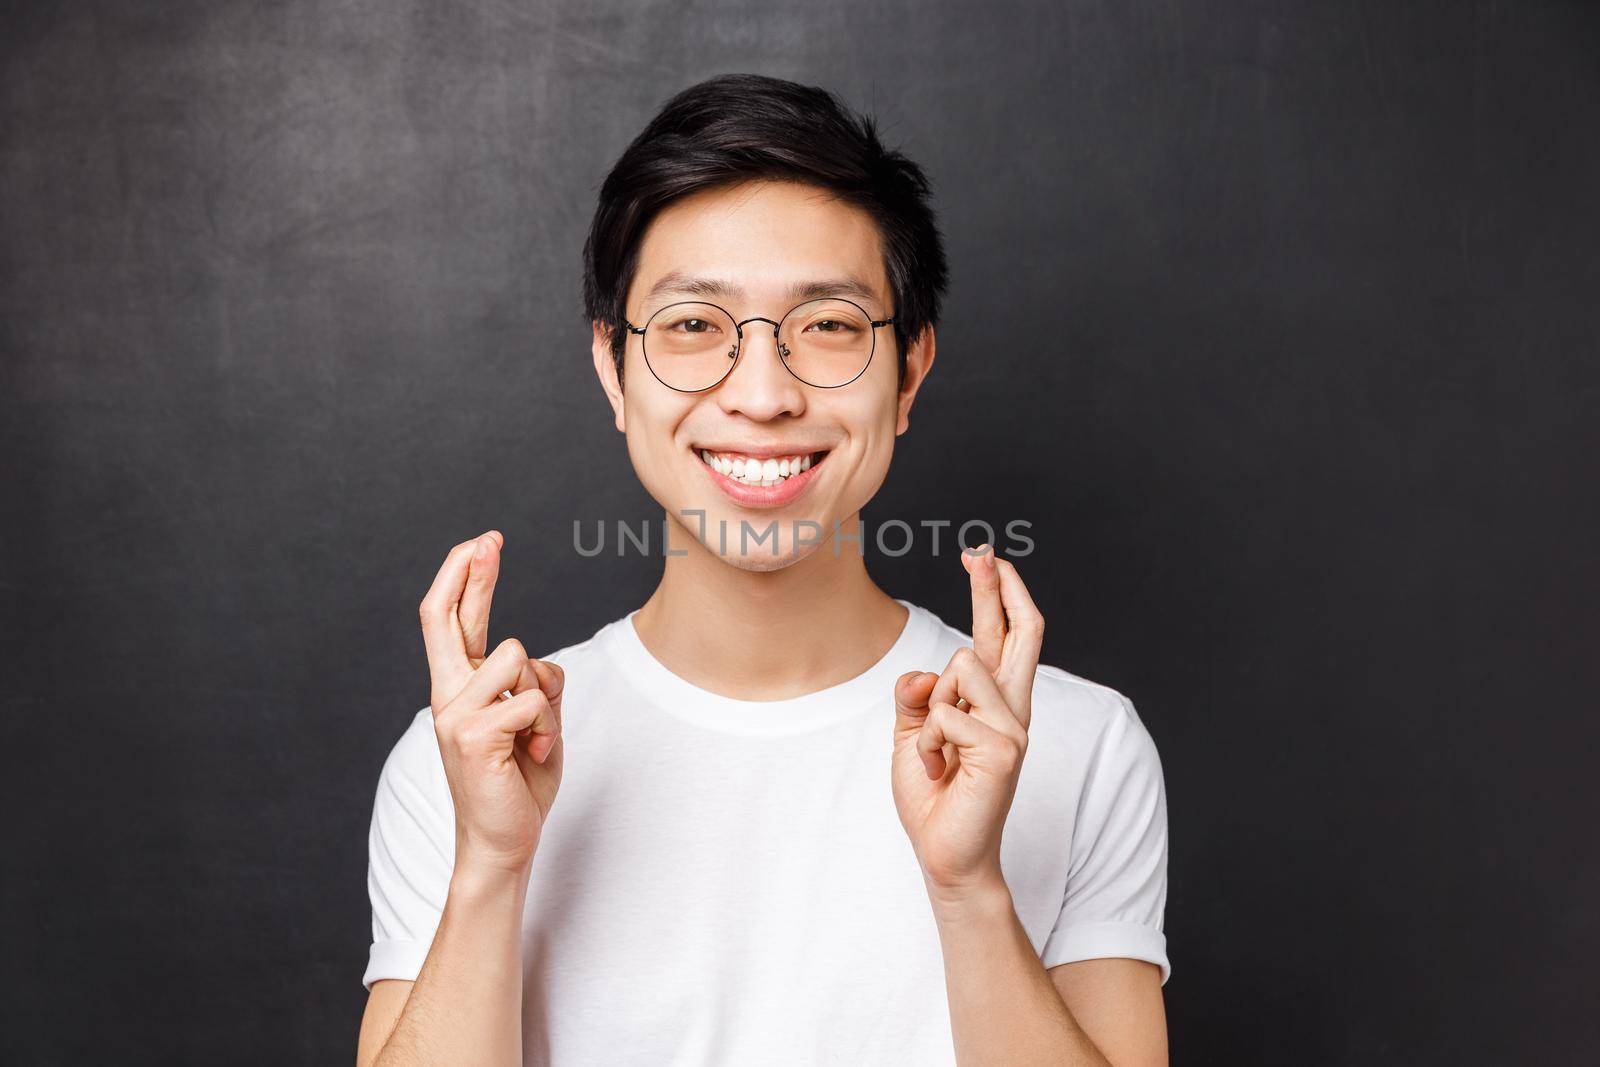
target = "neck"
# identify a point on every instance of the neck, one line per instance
(768, 635)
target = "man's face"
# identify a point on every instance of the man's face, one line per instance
(761, 241)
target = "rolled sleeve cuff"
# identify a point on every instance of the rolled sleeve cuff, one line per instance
(394, 959)
(1097, 941)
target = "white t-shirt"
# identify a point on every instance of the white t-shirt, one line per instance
(727, 882)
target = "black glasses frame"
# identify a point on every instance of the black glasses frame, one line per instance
(777, 329)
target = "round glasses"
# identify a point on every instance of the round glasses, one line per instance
(692, 346)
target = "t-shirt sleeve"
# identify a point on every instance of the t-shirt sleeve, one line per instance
(410, 854)
(1116, 890)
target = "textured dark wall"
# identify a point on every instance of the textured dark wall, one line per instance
(1278, 321)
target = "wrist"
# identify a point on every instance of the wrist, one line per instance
(477, 879)
(981, 900)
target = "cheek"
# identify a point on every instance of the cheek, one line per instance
(651, 422)
(870, 419)
(873, 415)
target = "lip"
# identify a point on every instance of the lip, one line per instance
(761, 496)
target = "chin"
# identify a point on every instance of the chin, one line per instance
(763, 560)
(795, 539)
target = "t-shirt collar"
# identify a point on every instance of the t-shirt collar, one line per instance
(825, 707)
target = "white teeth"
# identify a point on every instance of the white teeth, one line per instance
(753, 471)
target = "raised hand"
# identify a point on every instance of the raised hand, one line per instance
(960, 735)
(497, 716)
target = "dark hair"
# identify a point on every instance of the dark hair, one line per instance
(741, 127)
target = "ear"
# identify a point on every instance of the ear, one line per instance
(919, 360)
(606, 368)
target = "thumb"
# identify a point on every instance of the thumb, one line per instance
(911, 693)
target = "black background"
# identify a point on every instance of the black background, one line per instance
(1277, 320)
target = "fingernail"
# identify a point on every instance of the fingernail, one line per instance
(482, 551)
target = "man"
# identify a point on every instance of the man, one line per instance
(779, 831)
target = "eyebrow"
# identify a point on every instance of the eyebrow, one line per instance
(678, 283)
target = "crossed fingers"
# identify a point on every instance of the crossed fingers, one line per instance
(1007, 628)
(981, 704)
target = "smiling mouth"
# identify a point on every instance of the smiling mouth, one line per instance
(760, 470)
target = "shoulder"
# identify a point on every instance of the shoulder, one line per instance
(583, 653)
(1070, 711)
(1094, 728)
(413, 772)
(591, 668)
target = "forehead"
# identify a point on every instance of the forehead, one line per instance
(761, 244)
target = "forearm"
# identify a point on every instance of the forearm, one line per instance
(1003, 1007)
(466, 1005)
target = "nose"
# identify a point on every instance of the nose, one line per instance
(761, 387)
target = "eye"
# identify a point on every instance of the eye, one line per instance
(698, 325)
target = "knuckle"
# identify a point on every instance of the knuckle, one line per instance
(473, 736)
(539, 705)
(558, 677)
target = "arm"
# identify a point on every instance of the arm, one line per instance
(1118, 1001)
(959, 743)
(1005, 1008)
(496, 720)
(466, 1005)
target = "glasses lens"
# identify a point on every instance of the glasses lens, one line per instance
(690, 346)
(826, 343)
